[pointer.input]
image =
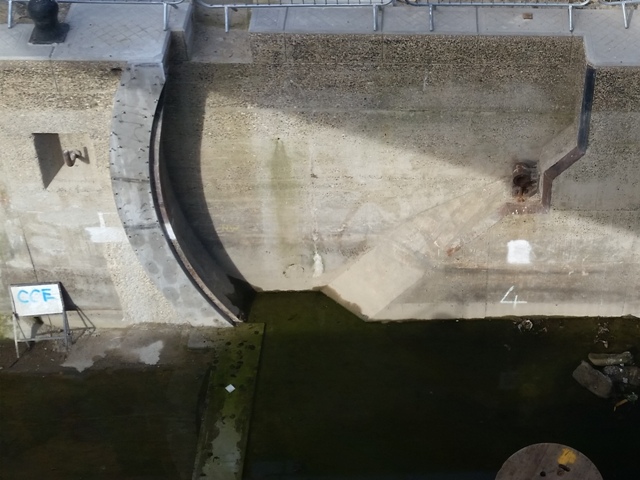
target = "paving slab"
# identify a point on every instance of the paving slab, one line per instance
(269, 20)
(607, 42)
(460, 20)
(14, 44)
(332, 20)
(515, 21)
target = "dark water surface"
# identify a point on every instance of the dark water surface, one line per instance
(340, 398)
(134, 424)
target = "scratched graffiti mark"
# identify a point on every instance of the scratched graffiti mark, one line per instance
(515, 300)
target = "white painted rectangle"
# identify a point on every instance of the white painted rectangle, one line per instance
(31, 300)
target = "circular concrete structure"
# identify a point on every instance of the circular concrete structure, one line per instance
(548, 460)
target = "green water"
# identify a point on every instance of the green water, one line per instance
(337, 397)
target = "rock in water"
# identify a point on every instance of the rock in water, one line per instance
(593, 380)
(625, 375)
(603, 359)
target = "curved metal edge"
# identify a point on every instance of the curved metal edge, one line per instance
(167, 208)
(134, 128)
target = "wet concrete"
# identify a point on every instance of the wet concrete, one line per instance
(130, 414)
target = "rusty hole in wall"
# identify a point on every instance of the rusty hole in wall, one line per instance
(524, 180)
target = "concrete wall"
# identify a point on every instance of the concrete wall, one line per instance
(373, 167)
(606, 178)
(60, 223)
(292, 167)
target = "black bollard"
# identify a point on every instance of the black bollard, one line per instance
(48, 29)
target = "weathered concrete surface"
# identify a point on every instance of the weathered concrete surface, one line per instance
(295, 169)
(368, 170)
(68, 231)
(132, 165)
(606, 178)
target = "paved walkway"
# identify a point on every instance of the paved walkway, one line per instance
(134, 33)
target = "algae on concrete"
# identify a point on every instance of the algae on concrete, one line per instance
(228, 401)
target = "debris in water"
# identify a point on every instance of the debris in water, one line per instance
(624, 375)
(593, 380)
(630, 398)
(604, 359)
(525, 325)
(229, 388)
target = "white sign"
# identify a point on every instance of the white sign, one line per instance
(37, 299)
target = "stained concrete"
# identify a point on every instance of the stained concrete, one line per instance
(299, 156)
(323, 144)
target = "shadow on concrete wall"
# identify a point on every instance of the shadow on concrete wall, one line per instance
(182, 158)
(477, 116)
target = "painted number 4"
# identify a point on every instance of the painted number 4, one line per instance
(515, 300)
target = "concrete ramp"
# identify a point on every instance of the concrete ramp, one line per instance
(415, 249)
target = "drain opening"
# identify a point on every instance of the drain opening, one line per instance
(524, 180)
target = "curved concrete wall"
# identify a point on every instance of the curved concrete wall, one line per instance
(377, 168)
(291, 172)
(132, 161)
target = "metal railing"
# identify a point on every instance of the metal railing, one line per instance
(432, 5)
(623, 4)
(165, 7)
(375, 5)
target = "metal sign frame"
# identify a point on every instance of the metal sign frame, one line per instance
(24, 293)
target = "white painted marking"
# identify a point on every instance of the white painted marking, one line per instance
(150, 354)
(170, 232)
(515, 301)
(519, 252)
(318, 267)
(104, 234)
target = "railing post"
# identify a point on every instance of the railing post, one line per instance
(10, 13)
(624, 15)
(375, 18)
(226, 19)
(431, 26)
(165, 16)
(571, 18)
